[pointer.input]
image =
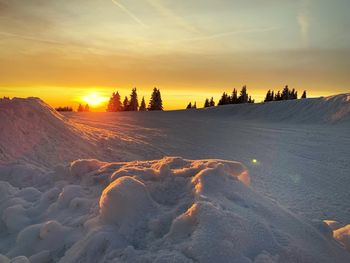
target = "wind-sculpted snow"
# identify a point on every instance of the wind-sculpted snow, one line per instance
(333, 109)
(33, 132)
(168, 210)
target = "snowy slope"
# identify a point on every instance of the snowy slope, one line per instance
(176, 209)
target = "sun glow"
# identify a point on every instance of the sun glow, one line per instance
(94, 99)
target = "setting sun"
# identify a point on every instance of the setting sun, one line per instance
(94, 99)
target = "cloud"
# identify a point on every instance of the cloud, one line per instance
(129, 13)
(168, 13)
(304, 20)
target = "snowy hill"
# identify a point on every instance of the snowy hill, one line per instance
(175, 209)
(333, 109)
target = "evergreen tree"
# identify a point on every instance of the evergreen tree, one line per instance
(114, 103)
(126, 104)
(250, 100)
(225, 99)
(87, 108)
(304, 95)
(155, 102)
(194, 105)
(189, 106)
(133, 103)
(234, 97)
(206, 103)
(211, 102)
(143, 105)
(80, 108)
(272, 96)
(286, 94)
(278, 96)
(243, 96)
(268, 96)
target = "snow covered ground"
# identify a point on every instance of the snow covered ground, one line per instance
(136, 205)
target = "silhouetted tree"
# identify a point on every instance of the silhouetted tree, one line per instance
(278, 96)
(189, 106)
(243, 95)
(211, 102)
(155, 102)
(87, 108)
(143, 105)
(126, 104)
(304, 95)
(194, 105)
(250, 100)
(114, 103)
(269, 96)
(234, 97)
(62, 109)
(133, 103)
(225, 99)
(80, 108)
(206, 103)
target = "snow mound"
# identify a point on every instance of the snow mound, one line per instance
(168, 210)
(32, 131)
(332, 109)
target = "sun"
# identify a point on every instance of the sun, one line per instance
(94, 99)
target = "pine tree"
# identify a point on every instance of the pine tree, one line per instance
(211, 102)
(126, 104)
(243, 96)
(194, 105)
(143, 105)
(114, 103)
(133, 103)
(189, 106)
(225, 99)
(80, 108)
(250, 100)
(206, 103)
(234, 97)
(304, 95)
(155, 102)
(272, 96)
(286, 93)
(87, 108)
(268, 96)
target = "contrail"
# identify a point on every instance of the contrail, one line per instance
(123, 8)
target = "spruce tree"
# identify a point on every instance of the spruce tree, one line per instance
(234, 97)
(189, 106)
(114, 103)
(225, 99)
(155, 102)
(206, 103)
(126, 104)
(194, 105)
(143, 105)
(133, 103)
(268, 96)
(87, 108)
(243, 96)
(80, 108)
(211, 102)
(304, 95)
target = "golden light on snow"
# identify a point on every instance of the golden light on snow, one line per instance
(94, 99)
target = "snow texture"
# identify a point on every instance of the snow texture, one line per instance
(56, 206)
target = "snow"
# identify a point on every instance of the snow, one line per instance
(104, 187)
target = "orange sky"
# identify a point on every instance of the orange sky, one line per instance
(62, 51)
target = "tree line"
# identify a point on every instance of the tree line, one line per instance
(244, 97)
(132, 103)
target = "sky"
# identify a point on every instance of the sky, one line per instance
(63, 50)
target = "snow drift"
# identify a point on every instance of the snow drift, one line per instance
(31, 132)
(332, 109)
(168, 210)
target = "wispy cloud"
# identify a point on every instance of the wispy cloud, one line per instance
(229, 33)
(129, 13)
(31, 38)
(170, 14)
(303, 20)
